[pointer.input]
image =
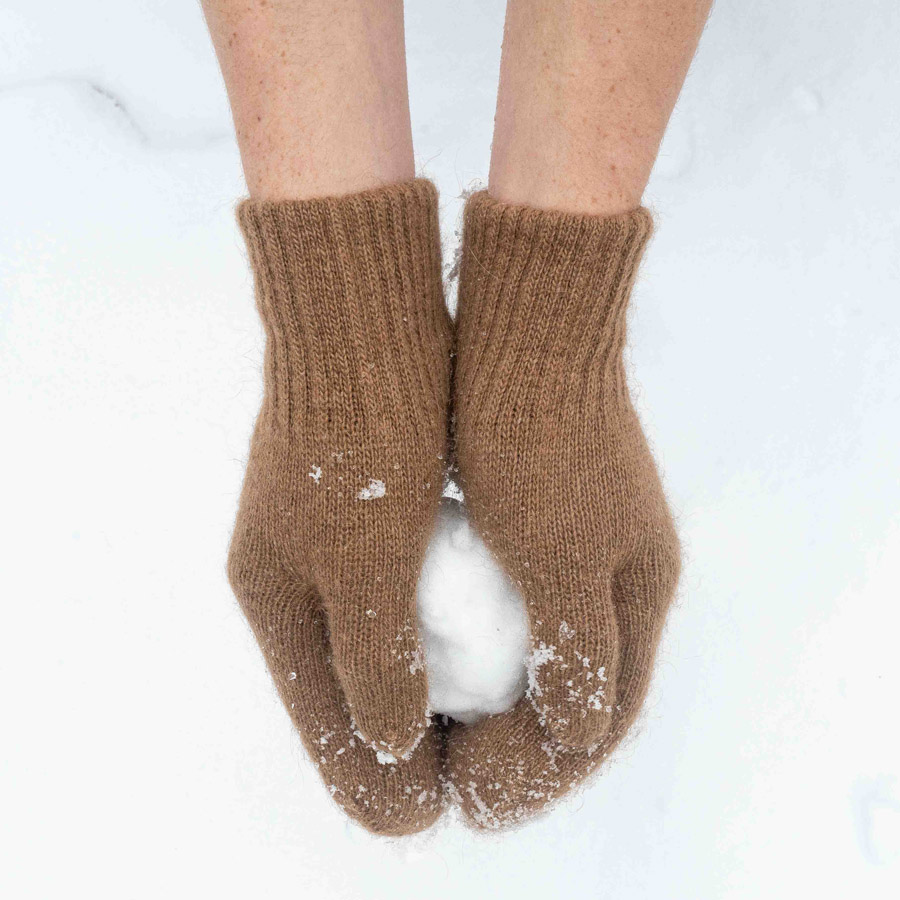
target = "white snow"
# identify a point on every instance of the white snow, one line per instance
(374, 491)
(540, 655)
(472, 623)
(146, 735)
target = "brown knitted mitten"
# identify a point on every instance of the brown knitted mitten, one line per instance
(560, 482)
(343, 484)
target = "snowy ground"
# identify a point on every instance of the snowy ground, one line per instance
(145, 752)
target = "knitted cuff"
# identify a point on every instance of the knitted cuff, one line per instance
(533, 268)
(349, 285)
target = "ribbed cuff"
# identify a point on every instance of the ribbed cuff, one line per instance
(363, 250)
(537, 284)
(545, 253)
(347, 286)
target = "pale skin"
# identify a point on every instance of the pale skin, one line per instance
(586, 92)
(318, 93)
(318, 90)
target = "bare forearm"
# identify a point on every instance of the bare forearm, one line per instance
(586, 91)
(318, 92)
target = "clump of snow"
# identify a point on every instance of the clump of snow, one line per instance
(472, 623)
(391, 757)
(374, 491)
(417, 663)
(539, 656)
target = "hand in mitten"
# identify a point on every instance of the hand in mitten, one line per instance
(561, 484)
(343, 483)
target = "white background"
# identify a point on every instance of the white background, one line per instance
(145, 753)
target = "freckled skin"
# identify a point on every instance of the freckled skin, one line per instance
(318, 93)
(586, 91)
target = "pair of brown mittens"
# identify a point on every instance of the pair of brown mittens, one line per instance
(345, 475)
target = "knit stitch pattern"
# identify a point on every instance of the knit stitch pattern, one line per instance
(343, 483)
(561, 484)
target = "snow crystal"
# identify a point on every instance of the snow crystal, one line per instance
(453, 491)
(315, 472)
(541, 654)
(385, 758)
(374, 491)
(418, 663)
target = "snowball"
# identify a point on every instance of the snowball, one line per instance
(472, 623)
